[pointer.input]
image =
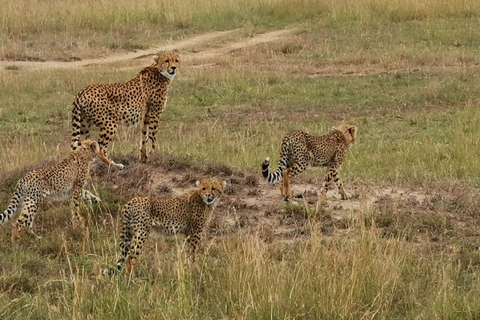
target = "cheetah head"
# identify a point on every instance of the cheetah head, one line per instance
(167, 64)
(91, 146)
(349, 131)
(210, 190)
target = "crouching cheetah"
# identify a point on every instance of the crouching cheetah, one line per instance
(107, 105)
(300, 149)
(66, 178)
(188, 214)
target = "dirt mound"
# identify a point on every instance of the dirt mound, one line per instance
(251, 205)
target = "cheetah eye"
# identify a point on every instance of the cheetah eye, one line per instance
(166, 61)
(203, 189)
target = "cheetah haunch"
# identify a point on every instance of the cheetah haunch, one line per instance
(66, 178)
(107, 105)
(300, 149)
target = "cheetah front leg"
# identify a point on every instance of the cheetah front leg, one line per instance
(332, 175)
(192, 242)
(344, 195)
(149, 132)
(107, 132)
(152, 129)
(75, 208)
(143, 148)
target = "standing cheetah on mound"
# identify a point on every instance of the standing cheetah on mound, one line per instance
(66, 178)
(300, 149)
(189, 214)
(107, 105)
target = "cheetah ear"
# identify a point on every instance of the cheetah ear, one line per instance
(95, 147)
(155, 58)
(352, 130)
(197, 183)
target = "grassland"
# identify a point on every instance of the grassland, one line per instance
(405, 72)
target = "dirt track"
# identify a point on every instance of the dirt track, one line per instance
(197, 49)
(195, 43)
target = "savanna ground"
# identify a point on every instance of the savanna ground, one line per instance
(405, 72)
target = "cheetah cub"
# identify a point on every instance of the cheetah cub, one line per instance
(300, 149)
(67, 178)
(188, 214)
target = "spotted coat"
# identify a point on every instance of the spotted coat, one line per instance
(300, 149)
(107, 105)
(187, 214)
(67, 178)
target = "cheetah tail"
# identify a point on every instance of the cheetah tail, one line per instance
(277, 175)
(76, 120)
(13, 205)
(125, 235)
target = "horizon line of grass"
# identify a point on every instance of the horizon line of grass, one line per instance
(32, 29)
(38, 17)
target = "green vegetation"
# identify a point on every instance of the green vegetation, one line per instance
(405, 72)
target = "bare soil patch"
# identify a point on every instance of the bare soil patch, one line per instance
(252, 206)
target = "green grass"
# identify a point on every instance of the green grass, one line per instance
(414, 129)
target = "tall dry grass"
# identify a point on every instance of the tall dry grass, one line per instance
(402, 10)
(72, 29)
(31, 29)
(25, 16)
(242, 277)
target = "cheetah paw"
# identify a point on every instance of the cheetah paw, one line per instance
(119, 165)
(109, 272)
(96, 200)
(345, 195)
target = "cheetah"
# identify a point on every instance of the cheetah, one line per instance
(107, 105)
(187, 214)
(66, 178)
(300, 149)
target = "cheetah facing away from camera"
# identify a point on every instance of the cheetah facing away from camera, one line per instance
(66, 178)
(188, 214)
(300, 149)
(107, 105)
